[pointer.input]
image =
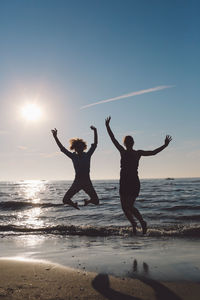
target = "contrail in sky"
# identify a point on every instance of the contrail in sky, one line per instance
(151, 90)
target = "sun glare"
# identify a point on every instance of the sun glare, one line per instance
(31, 112)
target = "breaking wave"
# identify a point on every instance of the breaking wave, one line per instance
(69, 230)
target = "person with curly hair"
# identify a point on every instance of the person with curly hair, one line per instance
(81, 162)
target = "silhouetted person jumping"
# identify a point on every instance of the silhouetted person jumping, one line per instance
(129, 180)
(81, 162)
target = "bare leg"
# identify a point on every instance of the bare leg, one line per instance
(69, 194)
(125, 202)
(71, 203)
(129, 216)
(89, 189)
(138, 216)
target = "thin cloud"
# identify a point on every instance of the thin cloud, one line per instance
(22, 147)
(137, 93)
(49, 155)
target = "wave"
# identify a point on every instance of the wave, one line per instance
(110, 188)
(71, 230)
(15, 205)
(189, 218)
(3, 194)
(178, 207)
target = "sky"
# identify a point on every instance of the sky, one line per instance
(64, 56)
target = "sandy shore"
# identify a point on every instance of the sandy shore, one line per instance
(39, 280)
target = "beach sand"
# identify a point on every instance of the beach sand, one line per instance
(43, 280)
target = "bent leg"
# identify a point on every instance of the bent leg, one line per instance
(89, 189)
(138, 216)
(70, 193)
(127, 211)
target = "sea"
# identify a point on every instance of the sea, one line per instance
(34, 224)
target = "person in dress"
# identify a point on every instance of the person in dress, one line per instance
(129, 180)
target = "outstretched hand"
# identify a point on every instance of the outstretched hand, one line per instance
(93, 128)
(168, 140)
(54, 132)
(107, 121)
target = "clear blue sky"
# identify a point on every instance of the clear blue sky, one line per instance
(67, 54)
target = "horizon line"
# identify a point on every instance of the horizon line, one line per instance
(95, 179)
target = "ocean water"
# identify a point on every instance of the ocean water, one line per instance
(35, 224)
(170, 207)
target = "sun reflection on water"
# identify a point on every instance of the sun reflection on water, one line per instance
(31, 191)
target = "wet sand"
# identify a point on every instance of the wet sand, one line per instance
(43, 280)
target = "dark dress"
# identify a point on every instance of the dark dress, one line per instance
(129, 180)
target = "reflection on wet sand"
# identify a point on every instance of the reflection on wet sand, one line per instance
(145, 269)
(101, 283)
(161, 291)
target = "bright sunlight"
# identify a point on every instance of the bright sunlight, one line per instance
(31, 112)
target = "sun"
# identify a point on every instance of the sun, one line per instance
(31, 112)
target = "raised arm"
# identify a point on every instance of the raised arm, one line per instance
(62, 148)
(95, 135)
(113, 139)
(94, 145)
(157, 150)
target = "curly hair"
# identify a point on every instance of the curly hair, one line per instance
(76, 142)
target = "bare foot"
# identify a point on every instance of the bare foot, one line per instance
(73, 204)
(85, 202)
(144, 227)
(134, 230)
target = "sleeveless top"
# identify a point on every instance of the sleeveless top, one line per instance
(129, 164)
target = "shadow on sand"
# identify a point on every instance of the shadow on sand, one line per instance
(102, 285)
